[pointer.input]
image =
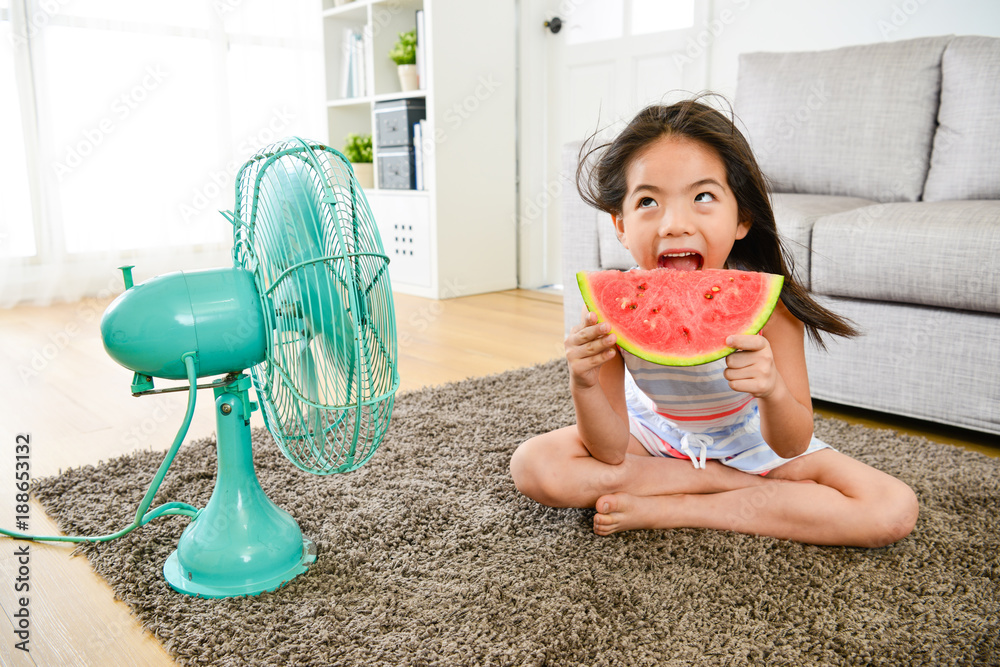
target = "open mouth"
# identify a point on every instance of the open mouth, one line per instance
(680, 261)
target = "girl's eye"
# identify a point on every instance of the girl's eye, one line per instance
(704, 197)
(646, 202)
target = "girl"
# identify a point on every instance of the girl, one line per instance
(685, 192)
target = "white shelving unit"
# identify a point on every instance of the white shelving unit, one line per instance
(457, 236)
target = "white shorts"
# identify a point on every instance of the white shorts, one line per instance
(739, 446)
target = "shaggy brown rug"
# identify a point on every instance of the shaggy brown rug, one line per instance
(429, 556)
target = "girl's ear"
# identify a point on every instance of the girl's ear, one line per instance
(742, 227)
(619, 223)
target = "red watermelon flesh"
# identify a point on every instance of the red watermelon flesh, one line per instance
(680, 318)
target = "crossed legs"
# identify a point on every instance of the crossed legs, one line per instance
(849, 503)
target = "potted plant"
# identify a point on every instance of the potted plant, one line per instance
(358, 151)
(404, 54)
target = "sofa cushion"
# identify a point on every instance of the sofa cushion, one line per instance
(856, 121)
(795, 215)
(943, 254)
(965, 163)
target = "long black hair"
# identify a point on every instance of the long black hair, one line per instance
(601, 181)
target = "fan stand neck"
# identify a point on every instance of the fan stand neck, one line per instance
(241, 543)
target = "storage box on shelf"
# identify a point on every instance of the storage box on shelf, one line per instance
(395, 123)
(441, 240)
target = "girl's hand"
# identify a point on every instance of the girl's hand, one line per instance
(751, 368)
(588, 347)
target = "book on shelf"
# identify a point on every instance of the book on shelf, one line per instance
(361, 63)
(421, 54)
(354, 67)
(418, 153)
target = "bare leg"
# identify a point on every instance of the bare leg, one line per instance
(851, 504)
(556, 469)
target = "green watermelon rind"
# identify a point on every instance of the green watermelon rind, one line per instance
(773, 294)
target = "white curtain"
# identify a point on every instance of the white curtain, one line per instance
(123, 124)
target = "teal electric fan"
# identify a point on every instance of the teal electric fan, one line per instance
(307, 310)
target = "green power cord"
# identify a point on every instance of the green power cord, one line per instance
(143, 515)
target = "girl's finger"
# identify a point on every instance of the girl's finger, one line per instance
(594, 332)
(588, 342)
(747, 343)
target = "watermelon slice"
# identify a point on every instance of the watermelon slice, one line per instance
(680, 318)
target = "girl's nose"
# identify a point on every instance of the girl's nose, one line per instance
(675, 222)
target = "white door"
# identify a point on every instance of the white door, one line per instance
(608, 59)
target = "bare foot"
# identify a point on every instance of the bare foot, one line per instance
(622, 511)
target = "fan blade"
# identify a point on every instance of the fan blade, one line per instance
(327, 315)
(308, 385)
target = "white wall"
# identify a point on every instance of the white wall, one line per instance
(741, 26)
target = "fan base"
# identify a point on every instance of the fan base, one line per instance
(175, 576)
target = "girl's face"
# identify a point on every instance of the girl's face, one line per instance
(679, 211)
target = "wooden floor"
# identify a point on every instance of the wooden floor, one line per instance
(62, 389)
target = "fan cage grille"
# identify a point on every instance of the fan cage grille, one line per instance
(304, 228)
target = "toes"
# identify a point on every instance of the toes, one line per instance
(608, 517)
(603, 525)
(608, 504)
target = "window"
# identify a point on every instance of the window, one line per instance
(17, 237)
(596, 20)
(123, 126)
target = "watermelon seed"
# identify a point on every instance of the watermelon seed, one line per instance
(643, 286)
(655, 310)
(715, 288)
(686, 332)
(708, 295)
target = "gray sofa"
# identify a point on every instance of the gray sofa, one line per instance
(885, 166)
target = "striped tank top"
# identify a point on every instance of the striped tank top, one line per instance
(698, 399)
(691, 412)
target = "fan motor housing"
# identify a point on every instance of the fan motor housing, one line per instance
(215, 312)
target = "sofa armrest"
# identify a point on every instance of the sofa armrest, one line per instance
(580, 244)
